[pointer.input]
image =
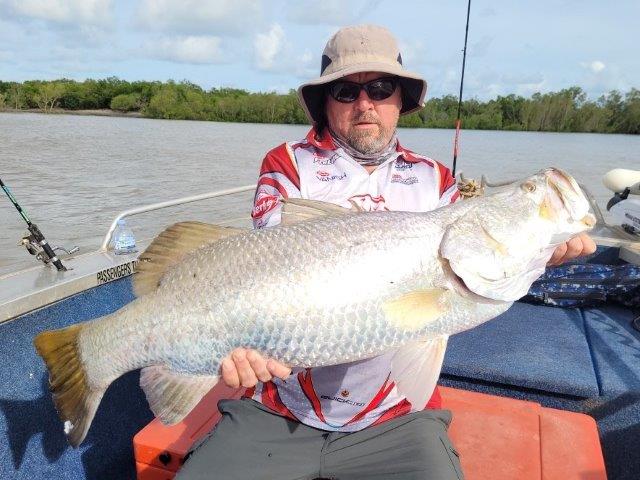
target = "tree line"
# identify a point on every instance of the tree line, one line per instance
(568, 110)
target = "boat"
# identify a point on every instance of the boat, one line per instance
(576, 359)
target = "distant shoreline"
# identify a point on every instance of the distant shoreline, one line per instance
(568, 110)
(102, 112)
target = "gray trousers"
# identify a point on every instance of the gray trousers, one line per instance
(252, 443)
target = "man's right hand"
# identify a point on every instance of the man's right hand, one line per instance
(246, 367)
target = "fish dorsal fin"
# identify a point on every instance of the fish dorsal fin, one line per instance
(170, 247)
(415, 369)
(416, 309)
(298, 210)
(172, 396)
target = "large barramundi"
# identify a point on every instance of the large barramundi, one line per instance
(328, 286)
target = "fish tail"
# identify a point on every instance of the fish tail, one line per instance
(75, 400)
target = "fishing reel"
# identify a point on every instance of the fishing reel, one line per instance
(625, 204)
(34, 247)
(35, 243)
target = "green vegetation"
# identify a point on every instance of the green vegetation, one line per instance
(568, 110)
(126, 102)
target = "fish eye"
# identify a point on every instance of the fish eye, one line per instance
(528, 187)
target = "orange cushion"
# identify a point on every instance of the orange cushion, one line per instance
(497, 438)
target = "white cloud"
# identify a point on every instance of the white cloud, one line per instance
(200, 16)
(414, 54)
(187, 49)
(612, 77)
(489, 84)
(595, 66)
(92, 12)
(481, 47)
(487, 12)
(268, 46)
(331, 12)
(306, 66)
(528, 89)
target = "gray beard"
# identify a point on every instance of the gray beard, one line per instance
(366, 151)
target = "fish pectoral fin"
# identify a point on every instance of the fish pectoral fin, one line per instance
(414, 310)
(298, 210)
(171, 395)
(415, 369)
(170, 247)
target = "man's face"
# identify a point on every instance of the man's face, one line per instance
(367, 125)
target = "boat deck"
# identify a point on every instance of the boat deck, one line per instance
(33, 445)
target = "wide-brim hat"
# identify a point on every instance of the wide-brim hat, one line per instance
(362, 48)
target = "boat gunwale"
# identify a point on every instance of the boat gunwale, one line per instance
(97, 267)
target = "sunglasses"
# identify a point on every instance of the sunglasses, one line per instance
(344, 91)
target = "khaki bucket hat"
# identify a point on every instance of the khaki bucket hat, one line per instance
(362, 48)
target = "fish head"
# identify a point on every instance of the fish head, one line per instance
(502, 244)
(563, 205)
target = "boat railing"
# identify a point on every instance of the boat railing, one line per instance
(169, 203)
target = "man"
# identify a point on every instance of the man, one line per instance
(344, 421)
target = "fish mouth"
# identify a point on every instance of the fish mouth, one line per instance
(561, 177)
(564, 194)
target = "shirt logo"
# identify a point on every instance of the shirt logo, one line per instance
(344, 393)
(342, 400)
(325, 176)
(396, 178)
(322, 160)
(368, 203)
(264, 204)
(403, 165)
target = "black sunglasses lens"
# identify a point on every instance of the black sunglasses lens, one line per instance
(345, 92)
(381, 88)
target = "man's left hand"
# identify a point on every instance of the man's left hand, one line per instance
(578, 246)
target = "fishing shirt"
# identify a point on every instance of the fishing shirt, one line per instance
(351, 396)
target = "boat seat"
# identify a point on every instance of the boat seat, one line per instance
(497, 438)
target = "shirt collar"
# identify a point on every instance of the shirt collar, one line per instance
(323, 141)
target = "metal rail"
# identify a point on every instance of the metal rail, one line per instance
(169, 203)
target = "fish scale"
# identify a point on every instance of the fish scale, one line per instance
(243, 297)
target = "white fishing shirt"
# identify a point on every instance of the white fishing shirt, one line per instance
(351, 396)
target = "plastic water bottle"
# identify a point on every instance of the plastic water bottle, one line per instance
(123, 239)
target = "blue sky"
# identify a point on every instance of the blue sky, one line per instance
(514, 46)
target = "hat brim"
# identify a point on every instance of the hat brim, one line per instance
(311, 93)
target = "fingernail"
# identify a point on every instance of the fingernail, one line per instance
(226, 364)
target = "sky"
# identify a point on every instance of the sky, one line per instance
(515, 46)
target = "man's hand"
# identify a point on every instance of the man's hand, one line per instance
(578, 246)
(245, 367)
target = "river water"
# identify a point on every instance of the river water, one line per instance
(74, 174)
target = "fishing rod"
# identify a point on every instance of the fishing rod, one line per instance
(36, 243)
(464, 60)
